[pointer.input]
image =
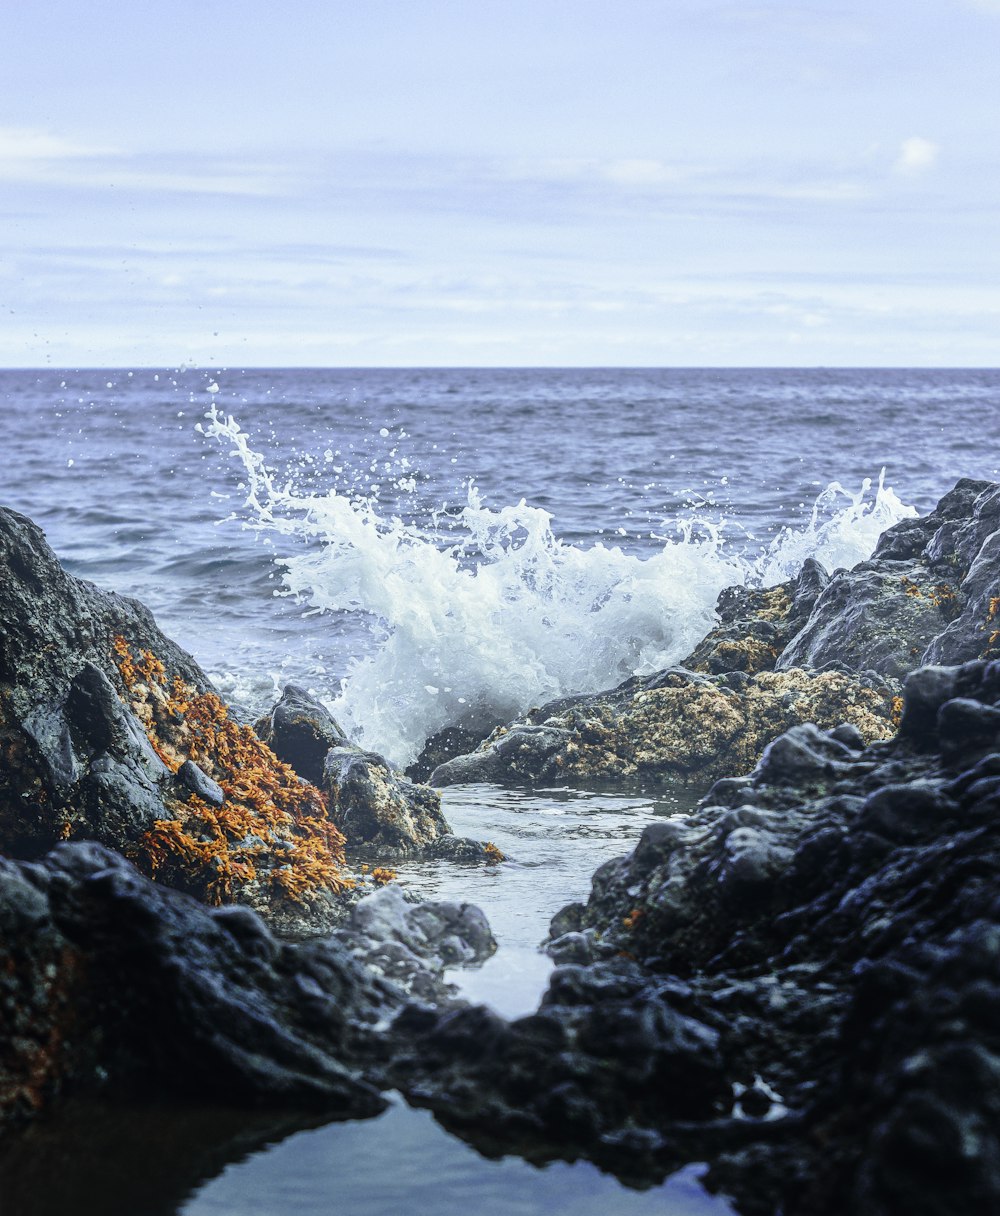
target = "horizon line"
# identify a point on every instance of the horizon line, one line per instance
(211, 368)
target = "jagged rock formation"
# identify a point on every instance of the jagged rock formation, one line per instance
(110, 732)
(798, 983)
(756, 624)
(412, 943)
(927, 595)
(110, 983)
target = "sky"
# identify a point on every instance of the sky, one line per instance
(500, 183)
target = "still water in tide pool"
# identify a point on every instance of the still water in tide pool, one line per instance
(402, 1162)
(554, 839)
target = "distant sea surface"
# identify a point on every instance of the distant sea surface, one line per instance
(422, 547)
(110, 464)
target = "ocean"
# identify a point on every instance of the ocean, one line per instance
(436, 546)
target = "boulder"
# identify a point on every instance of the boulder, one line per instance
(445, 745)
(387, 816)
(413, 942)
(300, 730)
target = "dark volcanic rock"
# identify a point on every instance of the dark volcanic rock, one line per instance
(797, 983)
(108, 731)
(108, 976)
(109, 982)
(926, 596)
(70, 746)
(300, 731)
(445, 745)
(413, 942)
(756, 624)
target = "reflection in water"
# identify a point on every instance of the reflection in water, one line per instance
(93, 1159)
(404, 1162)
(555, 839)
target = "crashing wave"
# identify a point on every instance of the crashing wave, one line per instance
(505, 615)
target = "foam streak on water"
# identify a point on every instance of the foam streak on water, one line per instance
(507, 615)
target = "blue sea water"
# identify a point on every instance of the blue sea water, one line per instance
(133, 496)
(428, 546)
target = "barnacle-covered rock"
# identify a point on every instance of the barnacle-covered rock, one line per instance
(677, 724)
(755, 624)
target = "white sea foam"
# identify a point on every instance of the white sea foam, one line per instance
(839, 533)
(529, 618)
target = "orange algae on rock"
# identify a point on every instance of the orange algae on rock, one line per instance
(270, 837)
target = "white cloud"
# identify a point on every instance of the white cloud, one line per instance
(916, 155)
(23, 144)
(639, 172)
(28, 155)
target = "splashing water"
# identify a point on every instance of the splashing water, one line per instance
(846, 536)
(530, 618)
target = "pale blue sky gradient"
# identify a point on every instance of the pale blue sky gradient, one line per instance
(544, 183)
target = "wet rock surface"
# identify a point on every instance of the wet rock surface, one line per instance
(756, 624)
(445, 745)
(112, 984)
(300, 730)
(413, 942)
(924, 597)
(798, 983)
(71, 749)
(385, 815)
(110, 732)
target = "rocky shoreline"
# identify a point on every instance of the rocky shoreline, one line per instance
(798, 983)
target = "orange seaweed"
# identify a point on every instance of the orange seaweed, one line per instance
(271, 826)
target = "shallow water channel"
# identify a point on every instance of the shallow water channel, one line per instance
(403, 1161)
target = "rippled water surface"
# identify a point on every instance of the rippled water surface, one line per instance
(109, 462)
(554, 840)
